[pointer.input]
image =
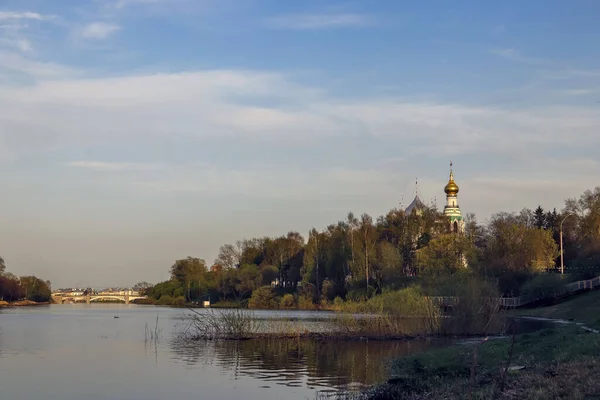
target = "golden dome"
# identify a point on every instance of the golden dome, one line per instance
(451, 188)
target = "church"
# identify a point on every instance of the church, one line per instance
(451, 209)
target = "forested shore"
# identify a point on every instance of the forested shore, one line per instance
(359, 258)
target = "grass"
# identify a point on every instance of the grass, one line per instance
(581, 308)
(558, 363)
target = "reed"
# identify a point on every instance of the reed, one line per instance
(152, 335)
(229, 324)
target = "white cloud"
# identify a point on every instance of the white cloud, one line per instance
(12, 63)
(8, 15)
(99, 30)
(224, 103)
(320, 21)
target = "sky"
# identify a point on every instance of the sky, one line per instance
(137, 132)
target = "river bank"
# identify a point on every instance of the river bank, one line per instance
(556, 362)
(23, 303)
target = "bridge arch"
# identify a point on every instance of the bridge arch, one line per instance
(108, 297)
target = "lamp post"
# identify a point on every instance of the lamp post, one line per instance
(562, 262)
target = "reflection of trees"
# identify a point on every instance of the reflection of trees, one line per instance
(292, 362)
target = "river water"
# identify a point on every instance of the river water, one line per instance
(80, 351)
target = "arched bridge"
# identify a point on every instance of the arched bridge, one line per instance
(126, 298)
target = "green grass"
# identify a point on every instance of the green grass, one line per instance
(582, 308)
(559, 363)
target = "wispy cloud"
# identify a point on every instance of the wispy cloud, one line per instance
(119, 4)
(102, 166)
(219, 104)
(99, 30)
(14, 63)
(515, 55)
(320, 21)
(11, 15)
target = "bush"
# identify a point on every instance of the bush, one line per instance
(179, 301)
(338, 302)
(287, 301)
(263, 297)
(305, 302)
(545, 285)
(328, 290)
(165, 300)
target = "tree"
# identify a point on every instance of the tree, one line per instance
(35, 289)
(540, 218)
(444, 255)
(368, 235)
(2, 266)
(352, 223)
(583, 230)
(514, 252)
(313, 258)
(187, 271)
(387, 267)
(248, 279)
(229, 256)
(10, 288)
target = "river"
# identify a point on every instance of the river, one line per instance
(80, 351)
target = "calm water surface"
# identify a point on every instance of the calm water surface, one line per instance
(79, 351)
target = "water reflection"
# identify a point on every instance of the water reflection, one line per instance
(295, 363)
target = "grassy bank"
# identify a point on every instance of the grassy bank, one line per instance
(581, 308)
(555, 363)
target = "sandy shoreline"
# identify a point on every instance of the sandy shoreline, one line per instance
(22, 303)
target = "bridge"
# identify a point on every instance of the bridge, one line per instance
(59, 298)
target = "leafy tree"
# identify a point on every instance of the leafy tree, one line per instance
(444, 255)
(187, 271)
(35, 289)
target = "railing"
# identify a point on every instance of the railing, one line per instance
(566, 290)
(514, 302)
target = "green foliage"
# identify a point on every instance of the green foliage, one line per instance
(359, 258)
(445, 373)
(35, 289)
(545, 285)
(407, 302)
(444, 255)
(328, 290)
(263, 297)
(305, 302)
(287, 301)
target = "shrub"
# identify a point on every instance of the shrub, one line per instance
(287, 301)
(338, 302)
(179, 301)
(328, 290)
(165, 300)
(263, 297)
(305, 302)
(545, 285)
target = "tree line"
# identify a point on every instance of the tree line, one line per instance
(13, 288)
(361, 256)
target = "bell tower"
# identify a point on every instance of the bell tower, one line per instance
(452, 210)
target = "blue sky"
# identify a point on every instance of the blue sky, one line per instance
(136, 132)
